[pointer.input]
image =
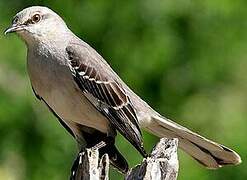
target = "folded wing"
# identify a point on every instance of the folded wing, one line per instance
(96, 80)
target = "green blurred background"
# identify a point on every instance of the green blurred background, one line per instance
(186, 58)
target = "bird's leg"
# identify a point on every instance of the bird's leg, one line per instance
(99, 145)
(103, 143)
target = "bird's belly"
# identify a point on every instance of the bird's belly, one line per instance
(59, 90)
(72, 105)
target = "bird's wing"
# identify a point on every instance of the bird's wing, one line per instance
(97, 81)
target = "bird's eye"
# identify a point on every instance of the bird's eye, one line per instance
(15, 20)
(36, 18)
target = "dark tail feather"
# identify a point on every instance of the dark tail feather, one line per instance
(205, 151)
(116, 158)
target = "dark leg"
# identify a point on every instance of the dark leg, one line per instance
(105, 144)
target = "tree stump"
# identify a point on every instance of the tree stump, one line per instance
(162, 164)
(88, 166)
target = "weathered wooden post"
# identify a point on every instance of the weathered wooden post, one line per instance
(162, 164)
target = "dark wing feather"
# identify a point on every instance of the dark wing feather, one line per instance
(96, 80)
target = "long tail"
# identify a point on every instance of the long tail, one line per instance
(210, 154)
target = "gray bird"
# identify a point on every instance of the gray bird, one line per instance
(89, 98)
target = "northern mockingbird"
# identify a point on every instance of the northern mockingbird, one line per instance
(89, 98)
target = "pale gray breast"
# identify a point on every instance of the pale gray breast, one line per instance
(51, 79)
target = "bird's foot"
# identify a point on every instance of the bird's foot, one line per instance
(100, 145)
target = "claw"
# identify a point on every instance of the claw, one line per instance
(100, 145)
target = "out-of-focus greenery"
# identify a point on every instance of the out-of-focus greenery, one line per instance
(187, 59)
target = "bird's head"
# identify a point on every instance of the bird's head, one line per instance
(37, 23)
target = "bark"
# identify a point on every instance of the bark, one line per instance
(162, 164)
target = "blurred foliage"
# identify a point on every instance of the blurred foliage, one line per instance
(186, 58)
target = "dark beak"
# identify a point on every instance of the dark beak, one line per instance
(14, 28)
